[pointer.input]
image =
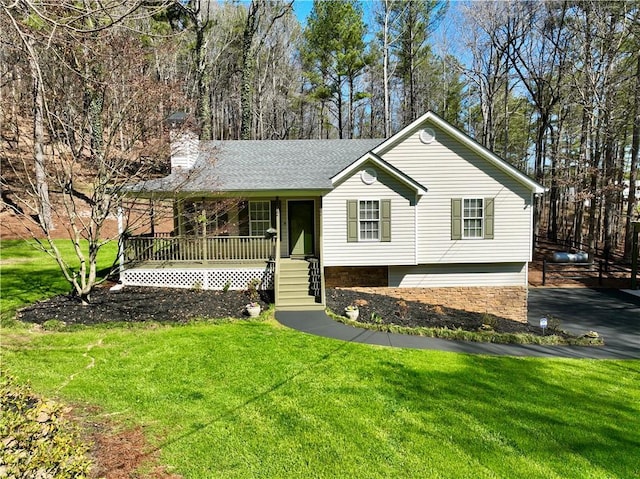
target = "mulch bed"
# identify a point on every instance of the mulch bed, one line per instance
(137, 304)
(379, 309)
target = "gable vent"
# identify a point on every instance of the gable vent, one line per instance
(427, 135)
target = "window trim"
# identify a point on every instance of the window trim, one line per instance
(252, 221)
(482, 219)
(378, 221)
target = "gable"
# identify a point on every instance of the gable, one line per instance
(377, 163)
(409, 141)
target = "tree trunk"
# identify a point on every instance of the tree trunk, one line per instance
(203, 83)
(385, 72)
(633, 176)
(42, 186)
(246, 71)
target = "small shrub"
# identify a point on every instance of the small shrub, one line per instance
(37, 440)
(197, 286)
(553, 323)
(252, 290)
(489, 320)
(402, 310)
(227, 285)
(438, 310)
(54, 325)
(376, 318)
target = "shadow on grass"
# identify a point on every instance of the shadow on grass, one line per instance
(529, 409)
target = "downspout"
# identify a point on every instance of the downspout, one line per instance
(120, 285)
(415, 229)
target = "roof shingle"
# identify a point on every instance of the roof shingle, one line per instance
(265, 165)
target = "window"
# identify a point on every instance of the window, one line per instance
(369, 220)
(473, 218)
(259, 217)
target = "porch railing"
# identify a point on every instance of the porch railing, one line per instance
(190, 248)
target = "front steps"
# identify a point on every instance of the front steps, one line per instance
(294, 287)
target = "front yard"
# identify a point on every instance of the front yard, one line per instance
(255, 399)
(258, 400)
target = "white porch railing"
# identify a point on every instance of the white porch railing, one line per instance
(189, 248)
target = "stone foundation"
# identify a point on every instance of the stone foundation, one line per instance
(508, 302)
(352, 276)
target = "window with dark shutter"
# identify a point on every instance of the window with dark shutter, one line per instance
(472, 218)
(368, 220)
(352, 221)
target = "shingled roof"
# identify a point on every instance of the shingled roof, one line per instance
(263, 165)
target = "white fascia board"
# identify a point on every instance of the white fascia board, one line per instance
(383, 165)
(465, 140)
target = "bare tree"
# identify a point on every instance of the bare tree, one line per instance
(90, 50)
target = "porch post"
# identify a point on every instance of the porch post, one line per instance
(323, 292)
(152, 218)
(634, 256)
(120, 240)
(276, 256)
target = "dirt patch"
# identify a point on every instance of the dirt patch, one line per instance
(126, 455)
(118, 453)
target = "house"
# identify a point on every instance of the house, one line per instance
(427, 214)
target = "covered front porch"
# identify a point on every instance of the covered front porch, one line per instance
(224, 244)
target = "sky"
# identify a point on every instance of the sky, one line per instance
(444, 34)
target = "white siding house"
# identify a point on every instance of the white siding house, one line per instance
(459, 215)
(426, 208)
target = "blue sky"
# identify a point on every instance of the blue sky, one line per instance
(302, 8)
(445, 34)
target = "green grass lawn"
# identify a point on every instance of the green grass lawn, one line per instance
(28, 275)
(259, 400)
(254, 399)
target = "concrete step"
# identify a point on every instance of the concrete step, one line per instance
(302, 307)
(296, 300)
(294, 288)
(294, 266)
(294, 278)
(300, 295)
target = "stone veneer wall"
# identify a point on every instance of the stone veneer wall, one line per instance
(508, 302)
(350, 276)
(504, 301)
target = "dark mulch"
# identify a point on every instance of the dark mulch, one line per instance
(379, 309)
(135, 304)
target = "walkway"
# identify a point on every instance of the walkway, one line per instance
(615, 315)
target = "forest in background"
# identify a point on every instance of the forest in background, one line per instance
(552, 87)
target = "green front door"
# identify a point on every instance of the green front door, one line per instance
(301, 228)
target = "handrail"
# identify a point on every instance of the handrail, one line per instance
(191, 248)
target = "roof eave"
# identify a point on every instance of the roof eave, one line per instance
(419, 189)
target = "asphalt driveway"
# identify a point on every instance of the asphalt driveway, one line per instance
(614, 314)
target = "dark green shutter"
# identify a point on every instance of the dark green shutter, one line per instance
(456, 218)
(243, 218)
(352, 221)
(385, 220)
(488, 218)
(274, 205)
